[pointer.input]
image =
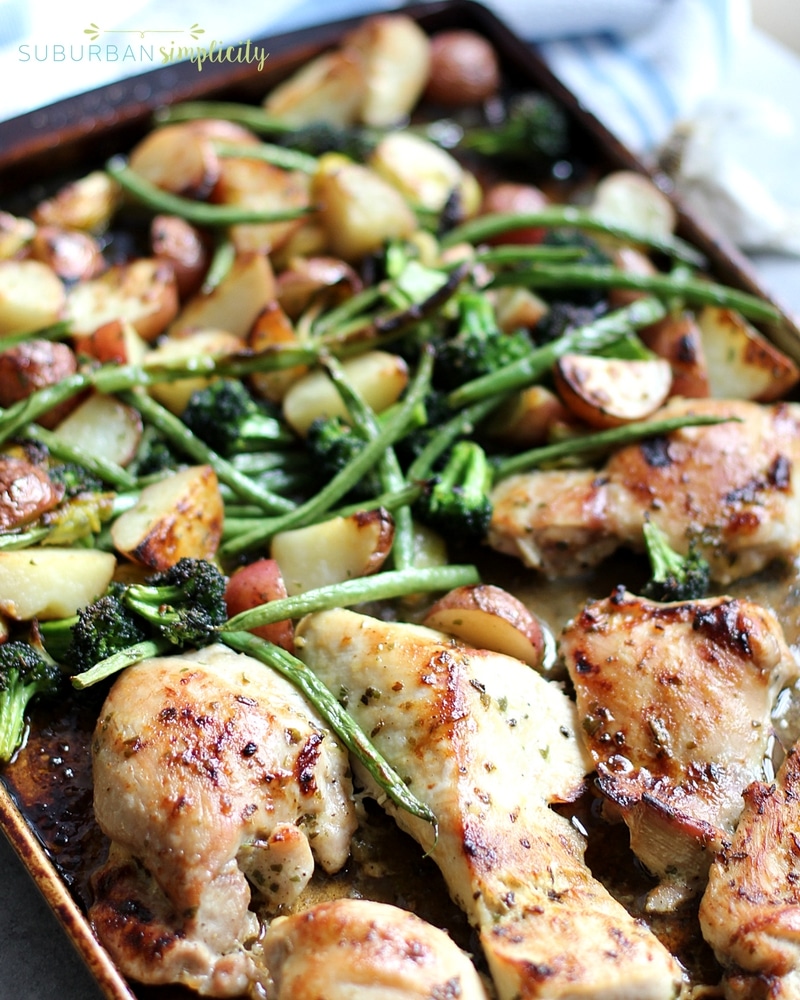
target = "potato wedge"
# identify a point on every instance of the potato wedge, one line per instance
(263, 186)
(424, 173)
(358, 209)
(143, 293)
(180, 516)
(518, 307)
(677, 339)
(397, 63)
(52, 582)
(273, 328)
(115, 342)
(487, 617)
(626, 198)
(103, 427)
(378, 376)
(88, 203)
(259, 583)
(234, 304)
(26, 492)
(525, 419)
(175, 395)
(333, 551)
(178, 159)
(31, 296)
(742, 364)
(329, 89)
(608, 392)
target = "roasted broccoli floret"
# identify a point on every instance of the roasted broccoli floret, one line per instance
(535, 131)
(230, 421)
(153, 456)
(457, 502)
(99, 630)
(24, 675)
(479, 346)
(332, 444)
(74, 478)
(185, 604)
(562, 317)
(674, 577)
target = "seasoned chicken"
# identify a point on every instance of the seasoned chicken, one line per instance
(209, 770)
(355, 949)
(675, 702)
(735, 487)
(487, 742)
(750, 913)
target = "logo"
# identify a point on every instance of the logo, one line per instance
(135, 45)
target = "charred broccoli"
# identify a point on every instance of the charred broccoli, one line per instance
(100, 630)
(185, 604)
(332, 443)
(479, 346)
(535, 131)
(24, 675)
(230, 421)
(457, 502)
(674, 577)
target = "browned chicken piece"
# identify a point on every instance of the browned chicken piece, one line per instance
(356, 949)
(750, 913)
(486, 743)
(675, 702)
(209, 770)
(734, 487)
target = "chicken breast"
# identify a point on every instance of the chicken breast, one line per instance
(750, 913)
(209, 770)
(486, 742)
(356, 949)
(675, 703)
(734, 487)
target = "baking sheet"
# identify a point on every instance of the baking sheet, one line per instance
(84, 130)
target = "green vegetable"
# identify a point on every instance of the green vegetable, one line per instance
(25, 674)
(674, 577)
(228, 419)
(457, 503)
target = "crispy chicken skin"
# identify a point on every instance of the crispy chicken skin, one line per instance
(750, 913)
(487, 742)
(675, 702)
(733, 486)
(356, 949)
(209, 770)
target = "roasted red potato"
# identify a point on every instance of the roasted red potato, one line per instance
(32, 365)
(259, 583)
(608, 392)
(464, 69)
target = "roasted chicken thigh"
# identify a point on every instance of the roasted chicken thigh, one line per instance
(675, 702)
(487, 743)
(734, 487)
(211, 774)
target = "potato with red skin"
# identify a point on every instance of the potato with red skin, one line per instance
(32, 365)
(26, 492)
(259, 583)
(180, 244)
(509, 197)
(464, 69)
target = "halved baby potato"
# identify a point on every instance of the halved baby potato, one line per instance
(273, 328)
(180, 347)
(609, 392)
(342, 548)
(379, 377)
(73, 255)
(358, 209)
(178, 159)
(115, 342)
(177, 517)
(743, 364)
(104, 427)
(52, 582)
(253, 585)
(677, 339)
(329, 88)
(487, 617)
(16, 232)
(143, 293)
(526, 418)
